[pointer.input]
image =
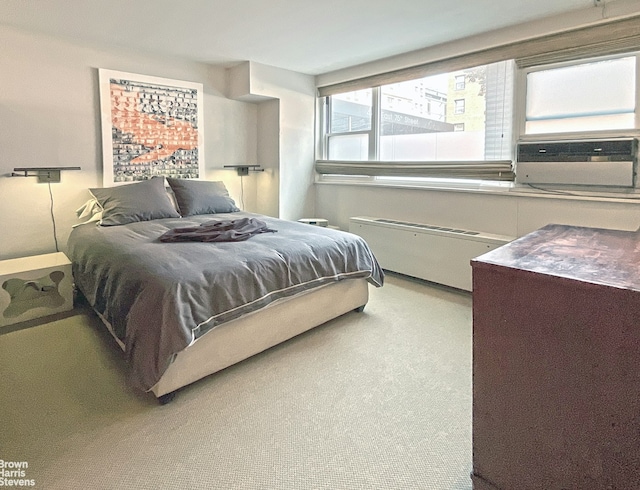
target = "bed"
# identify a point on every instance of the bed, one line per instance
(184, 309)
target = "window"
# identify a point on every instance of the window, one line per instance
(587, 96)
(420, 120)
(449, 119)
(348, 134)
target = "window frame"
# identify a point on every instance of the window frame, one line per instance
(374, 133)
(371, 132)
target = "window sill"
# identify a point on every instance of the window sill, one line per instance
(490, 188)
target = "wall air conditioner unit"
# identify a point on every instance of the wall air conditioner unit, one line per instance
(587, 162)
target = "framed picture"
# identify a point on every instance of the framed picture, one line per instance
(150, 126)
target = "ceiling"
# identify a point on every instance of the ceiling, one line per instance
(306, 36)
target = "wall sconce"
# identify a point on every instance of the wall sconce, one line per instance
(244, 169)
(44, 174)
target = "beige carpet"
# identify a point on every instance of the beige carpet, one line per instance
(373, 400)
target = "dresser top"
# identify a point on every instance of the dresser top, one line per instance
(595, 255)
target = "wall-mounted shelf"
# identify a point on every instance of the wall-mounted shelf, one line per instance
(244, 169)
(44, 174)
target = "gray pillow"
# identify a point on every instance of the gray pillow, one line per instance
(201, 197)
(141, 201)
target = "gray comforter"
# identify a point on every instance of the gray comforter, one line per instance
(160, 297)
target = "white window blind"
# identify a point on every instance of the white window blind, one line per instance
(593, 95)
(482, 170)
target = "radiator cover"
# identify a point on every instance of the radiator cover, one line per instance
(434, 253)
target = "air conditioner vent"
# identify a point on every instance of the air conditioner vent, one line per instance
(577, 151)
(585, 162)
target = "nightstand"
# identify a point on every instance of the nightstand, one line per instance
(33, 287)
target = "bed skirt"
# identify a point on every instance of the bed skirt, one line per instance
(255, 332)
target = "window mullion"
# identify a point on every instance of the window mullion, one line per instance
(374, 136)
(637, 118)
(326, 126)
(519, 113)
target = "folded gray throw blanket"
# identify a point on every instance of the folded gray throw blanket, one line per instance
(235, 230)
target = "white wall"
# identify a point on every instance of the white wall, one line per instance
(268, 182)
(294, 126)
(49, 116)
(510, 215)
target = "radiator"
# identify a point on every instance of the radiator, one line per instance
(433, 253)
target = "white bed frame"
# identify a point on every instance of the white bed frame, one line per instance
(255, 332)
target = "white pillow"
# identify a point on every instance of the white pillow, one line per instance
(91, 210)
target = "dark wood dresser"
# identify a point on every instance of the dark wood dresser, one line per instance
(556, 362)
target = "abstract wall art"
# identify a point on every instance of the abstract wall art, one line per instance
(150, 127)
